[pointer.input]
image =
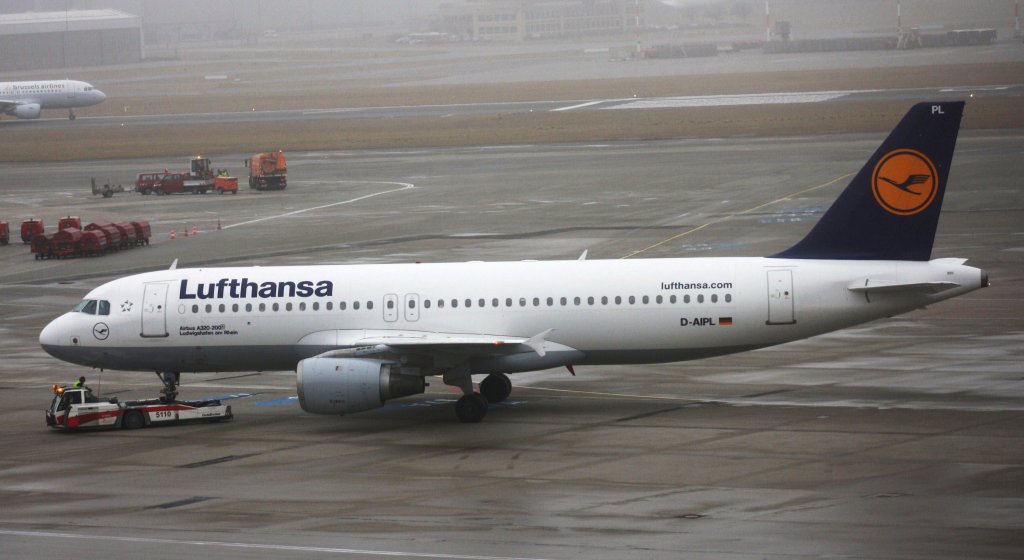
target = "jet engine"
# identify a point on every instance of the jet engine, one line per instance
(27, 111)
(347, 385)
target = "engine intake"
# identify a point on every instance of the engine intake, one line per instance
(347, 385)
(27, 111)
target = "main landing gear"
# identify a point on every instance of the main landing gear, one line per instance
(71, 115)
(472, 406)
(496, 387)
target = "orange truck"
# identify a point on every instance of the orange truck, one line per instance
(268, 171)
(225, 184)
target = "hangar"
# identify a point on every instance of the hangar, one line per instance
(75, 38)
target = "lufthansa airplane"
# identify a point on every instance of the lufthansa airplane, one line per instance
(26, 100)
(359, 335)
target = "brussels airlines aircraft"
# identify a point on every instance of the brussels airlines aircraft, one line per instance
(359, 335)
(26, 100)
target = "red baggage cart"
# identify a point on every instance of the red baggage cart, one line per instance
(127, 231)
(66, 243)
(112, 234)
(92, 243)
(142, 231)
(42, 246)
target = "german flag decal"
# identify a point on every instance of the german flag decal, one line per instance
(725, 321)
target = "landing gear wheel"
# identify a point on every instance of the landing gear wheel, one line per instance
(471, 408)
(496, 387)
(133, 420)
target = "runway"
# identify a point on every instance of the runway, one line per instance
(901, 438)
(910, 95)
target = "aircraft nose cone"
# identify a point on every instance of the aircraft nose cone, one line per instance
(100, 96)
(49, 337)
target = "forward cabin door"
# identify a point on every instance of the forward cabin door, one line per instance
(780, 297)
(154, 310)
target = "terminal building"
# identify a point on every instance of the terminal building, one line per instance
(71, 39)
(518, 20)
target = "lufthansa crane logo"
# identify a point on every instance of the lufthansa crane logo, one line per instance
(905, 182)
(101, 331)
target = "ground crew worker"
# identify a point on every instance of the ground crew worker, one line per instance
(80, 382)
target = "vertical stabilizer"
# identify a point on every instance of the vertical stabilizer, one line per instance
(890, 210)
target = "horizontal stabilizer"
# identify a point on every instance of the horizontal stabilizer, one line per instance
(881, 287)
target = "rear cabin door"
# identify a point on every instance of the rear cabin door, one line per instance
(154, 310)
(780, 297)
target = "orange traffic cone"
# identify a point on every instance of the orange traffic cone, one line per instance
(172, 235)
(195, 232)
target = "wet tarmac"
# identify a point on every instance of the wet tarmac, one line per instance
(902, 438)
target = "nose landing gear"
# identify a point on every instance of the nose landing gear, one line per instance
(170, 379)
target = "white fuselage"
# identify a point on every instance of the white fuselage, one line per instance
(49, 94)
(599, 312)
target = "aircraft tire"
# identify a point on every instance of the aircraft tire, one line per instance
(471, 408)
(133, 420)
(496, 387)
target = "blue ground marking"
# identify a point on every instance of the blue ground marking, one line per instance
(230, 396)
(794, 215)
(443, 402)
(699, 247)
(287, 401)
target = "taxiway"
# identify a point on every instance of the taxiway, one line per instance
(902, 438)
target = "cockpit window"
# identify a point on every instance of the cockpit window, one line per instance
(87, 306)
(104, 307)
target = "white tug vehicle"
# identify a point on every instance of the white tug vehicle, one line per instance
(75, 408)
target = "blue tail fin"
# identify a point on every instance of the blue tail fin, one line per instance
(890, 210)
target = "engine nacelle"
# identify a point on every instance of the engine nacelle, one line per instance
(347, 385)
(27, 111)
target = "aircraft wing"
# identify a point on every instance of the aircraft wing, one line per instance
(7, 105)
(369, 344)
